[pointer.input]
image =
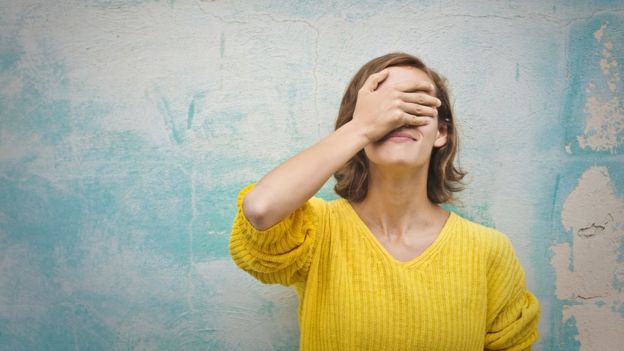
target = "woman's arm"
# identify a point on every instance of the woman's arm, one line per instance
(513, 311)
(377, 112)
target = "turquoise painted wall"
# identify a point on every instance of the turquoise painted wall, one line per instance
(128, 127)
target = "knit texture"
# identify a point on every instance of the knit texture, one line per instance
(466, 291)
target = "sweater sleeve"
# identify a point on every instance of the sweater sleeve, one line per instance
(513, 311)
(282, 253)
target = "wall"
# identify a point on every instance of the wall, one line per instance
(128, 127)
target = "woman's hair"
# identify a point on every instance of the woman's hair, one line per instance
(443, 179)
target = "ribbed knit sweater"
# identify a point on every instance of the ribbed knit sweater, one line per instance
(466, 291)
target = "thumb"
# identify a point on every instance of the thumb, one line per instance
(373, 81)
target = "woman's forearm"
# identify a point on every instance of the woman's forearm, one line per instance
(288, 186)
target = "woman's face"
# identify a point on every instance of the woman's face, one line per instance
(413, 152)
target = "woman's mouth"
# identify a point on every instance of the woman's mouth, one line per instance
(399, 136)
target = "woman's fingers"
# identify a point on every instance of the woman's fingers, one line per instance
(418, 110)
(417, 98)
(421, 98)
(414, 120)
(415, 85)
(373, 81)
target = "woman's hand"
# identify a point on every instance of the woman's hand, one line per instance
(379, 110)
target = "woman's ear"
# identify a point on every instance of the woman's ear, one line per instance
(442, 135)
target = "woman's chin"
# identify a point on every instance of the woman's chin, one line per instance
(398, 152)
(396, 161)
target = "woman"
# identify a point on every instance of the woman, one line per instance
(384, 267)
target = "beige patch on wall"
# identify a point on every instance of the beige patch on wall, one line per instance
(604, 126)
(587, 269)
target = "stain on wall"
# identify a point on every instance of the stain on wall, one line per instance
(128, 128)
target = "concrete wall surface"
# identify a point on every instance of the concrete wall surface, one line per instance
(128, 127)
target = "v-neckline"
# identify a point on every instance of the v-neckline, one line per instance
(423, 257)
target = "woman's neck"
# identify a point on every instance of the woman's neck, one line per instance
(397, 203)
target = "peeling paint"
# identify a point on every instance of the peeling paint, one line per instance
(587, 265)
(594, 110)
(604, 128)
(599, 328)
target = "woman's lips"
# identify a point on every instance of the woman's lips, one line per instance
(399, 136)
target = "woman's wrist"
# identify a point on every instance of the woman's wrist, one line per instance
(358, 132)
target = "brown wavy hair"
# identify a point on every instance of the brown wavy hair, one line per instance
(443, 178)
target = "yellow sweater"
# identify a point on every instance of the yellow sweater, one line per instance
(466, 291)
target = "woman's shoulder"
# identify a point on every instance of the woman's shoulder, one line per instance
(479, 233)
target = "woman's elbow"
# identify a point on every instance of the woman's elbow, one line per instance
(256, 213)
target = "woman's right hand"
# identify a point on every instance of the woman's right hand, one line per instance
(379, 110)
